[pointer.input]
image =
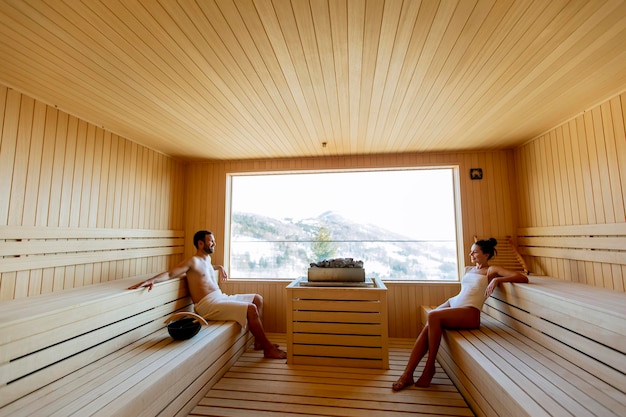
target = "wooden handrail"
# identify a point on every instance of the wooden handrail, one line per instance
(518, 256)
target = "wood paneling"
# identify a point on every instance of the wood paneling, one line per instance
(572, 182)
(403, 301)
(241, 79)
(67, 184)
(257, 387)
(488, 208)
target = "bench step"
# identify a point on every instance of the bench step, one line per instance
(547, 348)
(143, 378)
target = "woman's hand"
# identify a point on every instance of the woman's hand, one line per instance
(491, 287)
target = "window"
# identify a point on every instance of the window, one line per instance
(401, 223)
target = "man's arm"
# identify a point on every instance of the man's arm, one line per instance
(177, 271)
(221, 272)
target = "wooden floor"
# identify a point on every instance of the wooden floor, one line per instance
(261, 387)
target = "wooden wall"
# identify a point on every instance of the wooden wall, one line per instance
(70, 188)
(404, 300)
(572, 185)
(489, 208)
(65, 184)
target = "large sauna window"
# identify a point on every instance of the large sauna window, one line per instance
(402, 223)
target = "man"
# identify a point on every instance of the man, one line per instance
(209, 300)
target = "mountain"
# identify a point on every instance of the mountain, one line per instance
(265, 247)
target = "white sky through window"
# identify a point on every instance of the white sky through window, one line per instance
(417, 203)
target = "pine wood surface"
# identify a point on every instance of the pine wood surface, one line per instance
(337, 326)
(55, 334)
(274, 79)
(547, 348)
(260, 387)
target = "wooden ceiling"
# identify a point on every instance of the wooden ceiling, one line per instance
(240, 79)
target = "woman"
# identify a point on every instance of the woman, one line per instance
(459, 312)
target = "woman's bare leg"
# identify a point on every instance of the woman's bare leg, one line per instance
(445, 318)
(417, 353)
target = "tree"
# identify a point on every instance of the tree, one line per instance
(323, 247)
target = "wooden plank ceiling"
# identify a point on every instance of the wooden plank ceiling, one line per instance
(240, 79)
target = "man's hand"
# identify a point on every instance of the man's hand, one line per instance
(144, 284)
(221, 272)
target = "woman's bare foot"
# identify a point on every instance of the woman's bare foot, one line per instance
(402, 382)
(274, 352)
(427, 376)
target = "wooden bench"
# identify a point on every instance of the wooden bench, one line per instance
(547, 348)
(104, 350)
(592, 254)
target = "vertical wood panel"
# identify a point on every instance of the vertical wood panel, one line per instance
(60, 171)
(570, 185)
(20, 162)
(614, 188)
(486, 211)
(8, 151)
(587, 160)
(482, 212)
(583, 164)
(403, 302)
(578, 172)
(34, 165)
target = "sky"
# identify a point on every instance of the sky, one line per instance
(418, 204)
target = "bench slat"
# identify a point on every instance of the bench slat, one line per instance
(557, 342)
(488, 378)
(38, 232)
(105, 350)
(537, 374)
(24, 263)
(64, 318)
(589, 255)
(128, 372)
(577, 381)
(465, 384)
(571, 336)
(179, 367)
(41, 247)
(605, 229)
(77, 330)
(107, 390)
(564, 303)
(40, 359)
(186, 394)
(612, 243)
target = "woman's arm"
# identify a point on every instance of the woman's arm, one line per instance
(498, 275)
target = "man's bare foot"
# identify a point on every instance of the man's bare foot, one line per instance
(274, 353)
(402, 382)
(427, 376)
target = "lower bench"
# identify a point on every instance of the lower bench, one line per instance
(103, 350)
(547, 348)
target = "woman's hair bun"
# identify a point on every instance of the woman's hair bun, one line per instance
(488, 246)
